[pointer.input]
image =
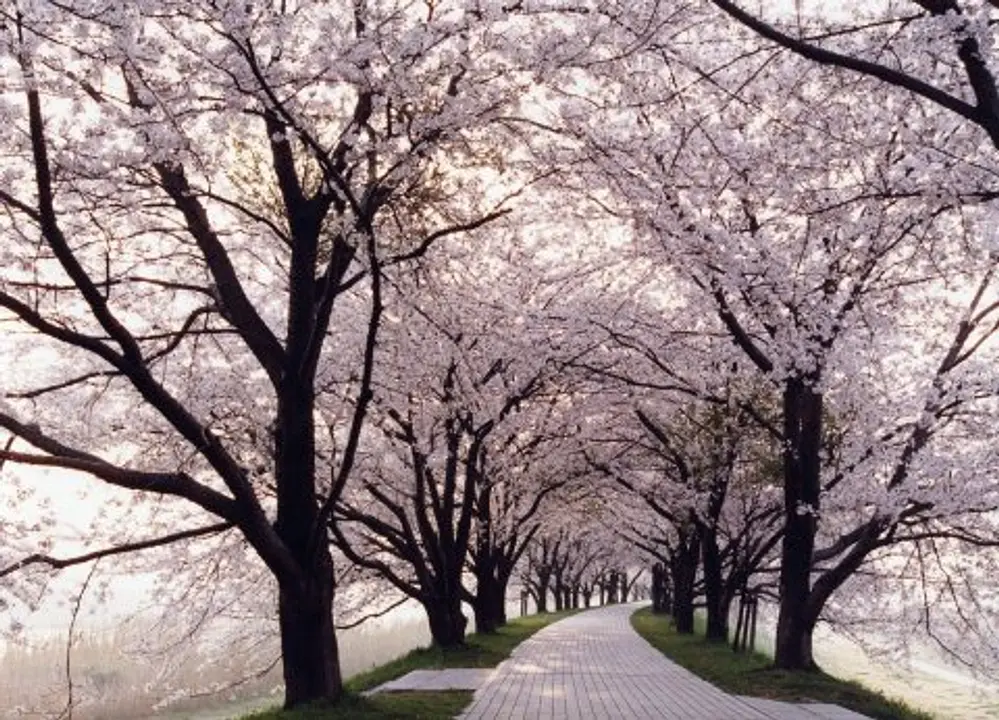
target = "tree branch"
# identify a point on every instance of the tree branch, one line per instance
(61, 563)
(983, 116)
(62, 456)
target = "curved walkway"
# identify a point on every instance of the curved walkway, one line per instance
(594, 666)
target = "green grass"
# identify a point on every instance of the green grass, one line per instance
(383, 706)
(479, 651)
(752, 674)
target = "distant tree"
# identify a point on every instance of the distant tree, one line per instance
(475, 438)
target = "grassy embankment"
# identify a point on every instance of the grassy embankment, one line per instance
(752, 674)
(480, 651)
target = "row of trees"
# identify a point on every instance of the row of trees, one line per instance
(577, 570)
(869, 267)
(473, 430)
(703, 502)
(438, 296)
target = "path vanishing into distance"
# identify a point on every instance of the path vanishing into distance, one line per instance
(594, 666)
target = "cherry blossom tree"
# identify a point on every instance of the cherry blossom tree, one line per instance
(473, 440)
(798, 263)
(194, 308)
(938, 54)
(510, 507)
(825, 268)
(691, 477)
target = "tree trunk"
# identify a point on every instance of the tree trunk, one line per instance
(489, 605)
(485, 618)
(309, 651)
(503, 572)
(491, 568)
(714, 591)
(803, 435)
(683, 609)
(794, 647)
(684, 572)
(542, 597)
(660, 593)
(611, 583)
(305, 605)
(447, 623)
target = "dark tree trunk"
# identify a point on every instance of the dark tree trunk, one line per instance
(541, 597)
(492, 568)
(683, 609)
(714, 588)
(684, 572)
(611, 584)
(802, 443)
(489, 605)
(443, 603)
(308, 642)
(558, 589)
(485, 586)
(484, 613)
(504, 571)
(305, 606)
(447, 623)
(660, 589)
(795, 647)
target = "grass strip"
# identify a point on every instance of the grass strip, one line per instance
(752, 673)
(395, 705)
